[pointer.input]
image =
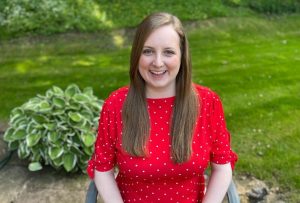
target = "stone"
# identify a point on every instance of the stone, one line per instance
(257, 194)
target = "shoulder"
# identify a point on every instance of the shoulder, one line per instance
(116, 98)
(205, 93)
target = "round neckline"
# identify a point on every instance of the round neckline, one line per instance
(160, 101)
(162, 98)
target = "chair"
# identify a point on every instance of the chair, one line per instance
(92, 193)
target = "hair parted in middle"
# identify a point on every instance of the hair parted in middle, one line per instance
(135, 115)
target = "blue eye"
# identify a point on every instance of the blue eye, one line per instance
(147, 51)
(169, 52)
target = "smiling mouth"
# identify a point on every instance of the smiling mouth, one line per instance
(158, 73)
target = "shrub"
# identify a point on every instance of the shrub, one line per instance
(51, 16)
(273, 6)
(57, 129)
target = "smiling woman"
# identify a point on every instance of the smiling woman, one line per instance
(162, 131)
(160, 62)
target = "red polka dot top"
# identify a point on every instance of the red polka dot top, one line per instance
(156, 178)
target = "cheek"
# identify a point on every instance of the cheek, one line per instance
(174, 63)
(143, 62)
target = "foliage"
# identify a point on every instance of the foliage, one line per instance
(20, 17)
(268, 6)
(251, 62)
(274, 6)
(23, 17)
(50, 16)
(57, 128)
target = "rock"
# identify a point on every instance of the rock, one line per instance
(252, 190)
(257, 194)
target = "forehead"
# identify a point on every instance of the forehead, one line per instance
(165, 36)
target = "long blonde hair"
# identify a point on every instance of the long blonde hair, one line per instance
(135, 115)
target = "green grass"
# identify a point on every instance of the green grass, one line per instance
(252, 62)
(254, 65)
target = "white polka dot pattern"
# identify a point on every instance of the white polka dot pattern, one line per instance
(156, 178)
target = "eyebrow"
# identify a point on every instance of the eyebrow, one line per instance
(164, 48)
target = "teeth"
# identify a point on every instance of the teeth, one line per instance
(158, 72)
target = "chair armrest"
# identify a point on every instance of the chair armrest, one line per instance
(232, 194)
(92, 193)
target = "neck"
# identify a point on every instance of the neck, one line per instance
(160, 92)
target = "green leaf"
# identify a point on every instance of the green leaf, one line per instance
(55, 152)
(37, 100)
(44, 106)
(20, 120)
(15, 117)
(58, 162)
(74, 106)
(97, 105)
(88, 115)
(33, 139)
(88, 139)
(76, 117)
(69, 161)
(58, 112)
(62, 127)
(17, 111)
(35, 166)
(49, 126)
(8, 135)
(71, 91)
(39, 118)
(35, 157)
(13, 145)
(88, 150)
(84, 158)
(81, 98)
(88, 91)
(19, 134)
(29, 106)
(31, 127)
(58, 102)
(74, 149)
(82, 166)
(53, 136)
(57, 91)
(36, 149)
(49, 93)
(23, 151)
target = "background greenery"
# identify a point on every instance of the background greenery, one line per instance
(19, 17)
(244, 50)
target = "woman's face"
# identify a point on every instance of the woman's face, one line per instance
(160, 62)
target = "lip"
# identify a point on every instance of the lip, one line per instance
(158, 73)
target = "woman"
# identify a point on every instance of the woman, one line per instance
(162, 131)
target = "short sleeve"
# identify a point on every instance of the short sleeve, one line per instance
(103, 158)
(221, 152)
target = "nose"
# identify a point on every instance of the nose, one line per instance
(158, 61)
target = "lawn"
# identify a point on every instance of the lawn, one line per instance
(253, 63)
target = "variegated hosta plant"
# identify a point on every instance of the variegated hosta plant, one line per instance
(58, 128)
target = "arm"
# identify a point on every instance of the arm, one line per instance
(107, 186)
(218, 184)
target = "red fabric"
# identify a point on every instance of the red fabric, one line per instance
(155, 178)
